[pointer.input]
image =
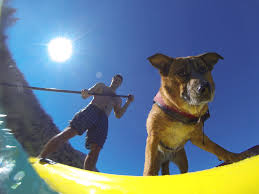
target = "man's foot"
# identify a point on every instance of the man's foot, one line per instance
(46, 160)
(96, 170)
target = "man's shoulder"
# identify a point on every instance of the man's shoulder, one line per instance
(100, 84)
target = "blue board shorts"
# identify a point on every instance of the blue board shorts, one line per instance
(94, 121)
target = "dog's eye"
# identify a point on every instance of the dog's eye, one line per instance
(203, 69)
(182, 73)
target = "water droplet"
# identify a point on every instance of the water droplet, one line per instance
(19, 176)
(8, 133)
(99, 74)
(9, 146)
(16, 185)
(9, 130)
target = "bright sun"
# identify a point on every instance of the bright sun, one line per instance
(60, 49)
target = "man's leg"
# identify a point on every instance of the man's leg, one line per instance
(92, 157)
(54, 143)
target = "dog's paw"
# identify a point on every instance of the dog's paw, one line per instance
(234, 157)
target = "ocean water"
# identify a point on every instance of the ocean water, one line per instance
(16, 174)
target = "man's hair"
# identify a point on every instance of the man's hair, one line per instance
(119, 75)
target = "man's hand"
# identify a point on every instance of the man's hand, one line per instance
(130, 98)
(84, 93)
(119, 111)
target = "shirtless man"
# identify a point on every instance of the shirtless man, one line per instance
(93, 119)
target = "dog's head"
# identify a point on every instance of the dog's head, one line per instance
(188, 78)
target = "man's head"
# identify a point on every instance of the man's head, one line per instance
(116, 80)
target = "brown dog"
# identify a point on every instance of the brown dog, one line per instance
(179, 111)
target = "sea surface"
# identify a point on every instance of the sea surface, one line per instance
(16, 174)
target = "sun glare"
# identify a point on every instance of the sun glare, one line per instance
(60, 49)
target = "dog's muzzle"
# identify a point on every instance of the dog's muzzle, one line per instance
(204, 89)
(198, 92)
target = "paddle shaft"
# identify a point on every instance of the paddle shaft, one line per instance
(59, 90)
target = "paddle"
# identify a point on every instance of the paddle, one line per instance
(59, 90)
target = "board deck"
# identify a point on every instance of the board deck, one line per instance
(238, 178)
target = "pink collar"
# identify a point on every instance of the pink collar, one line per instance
(158, 99)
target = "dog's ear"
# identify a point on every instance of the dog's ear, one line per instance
(161, 62)
(210, 58)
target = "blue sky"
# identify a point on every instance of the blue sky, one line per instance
(116, 37)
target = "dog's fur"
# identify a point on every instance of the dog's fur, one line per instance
(187, 85)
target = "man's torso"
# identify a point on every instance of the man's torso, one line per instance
(105, 103)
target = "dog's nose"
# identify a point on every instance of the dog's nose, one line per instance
(204, 86)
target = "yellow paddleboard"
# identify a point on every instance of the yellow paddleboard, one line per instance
(238, 178)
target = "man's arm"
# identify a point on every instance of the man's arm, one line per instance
(97, 88)
(119, 111)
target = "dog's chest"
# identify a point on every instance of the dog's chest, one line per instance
(176, 135)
